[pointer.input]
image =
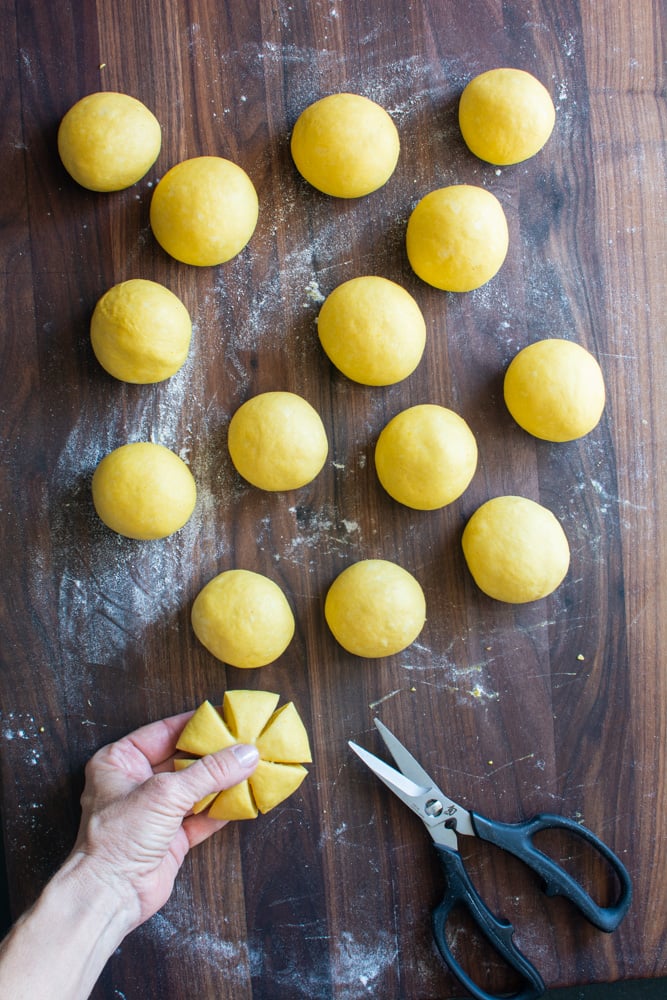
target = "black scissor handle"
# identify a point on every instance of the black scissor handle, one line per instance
(460, 891)
(517, 838)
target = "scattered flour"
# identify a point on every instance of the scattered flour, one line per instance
(317, 532)
(110, 590)
(359, 964)
(313, 293)
(21, 728)
(218, 952)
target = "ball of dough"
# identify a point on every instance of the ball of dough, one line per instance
(515, 549)
(426, 456)
(143, 490)
(506, 116)
(457, 237)
(243, 619)
(375, 608)
(345, 145)
(204, 210)
(554, 389)
(108, 141)
(277, 441)
(249, 717)
(140, 331)
(372, 330)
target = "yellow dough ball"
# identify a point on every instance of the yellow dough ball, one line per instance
(143, 490)
(277, 441)
(140, 331)
(204, 211)
(506, 116)
(375, 608)
(426, 456)
(249, 717)
(243, 619)
(457, 237)
(345, 145)
(372, 330)
(554, 389)
(515, 549)
(108, 141)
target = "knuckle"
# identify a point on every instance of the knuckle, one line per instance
(219, 769)
(162, 793)
(161, 783)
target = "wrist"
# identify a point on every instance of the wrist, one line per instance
(76, 924)
(95, 891)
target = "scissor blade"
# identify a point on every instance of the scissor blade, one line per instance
(412, 769)
(405, 761)
(416, 797)
(406, 789)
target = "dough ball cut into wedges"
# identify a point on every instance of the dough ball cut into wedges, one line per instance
(247, 712)
(205, 732)
(234, 803)
(285, 740)
(272, 783)
(249, 717)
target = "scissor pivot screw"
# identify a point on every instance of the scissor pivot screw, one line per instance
(433, 807)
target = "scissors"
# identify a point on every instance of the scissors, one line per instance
(446, 820)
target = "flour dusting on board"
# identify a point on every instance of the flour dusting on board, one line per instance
(318, 530)
(22, 728)
(110, 589)
(111, 592)
(360, 964)
(218, 952)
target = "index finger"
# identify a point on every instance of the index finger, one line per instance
(157, 740)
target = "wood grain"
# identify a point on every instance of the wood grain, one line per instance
(559, 705)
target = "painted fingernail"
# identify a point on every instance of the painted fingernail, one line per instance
(246, 754)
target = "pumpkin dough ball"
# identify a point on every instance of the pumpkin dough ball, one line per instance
(515, 549)
(375, 608)
(457, 237)
(506, 116)
(426, 456)
(204, 210)
(243, 619)
(140, 331)
(279, 735)
(277, 441)
(345, 145)
(554, 389)
(372, 330)
(108, 141)
(143, 490)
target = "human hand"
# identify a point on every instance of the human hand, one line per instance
(137, 824)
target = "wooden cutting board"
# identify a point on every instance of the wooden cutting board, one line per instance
(558, 705)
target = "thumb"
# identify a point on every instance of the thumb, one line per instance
(215, 772)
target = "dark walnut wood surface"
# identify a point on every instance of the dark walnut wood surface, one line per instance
(558, 705)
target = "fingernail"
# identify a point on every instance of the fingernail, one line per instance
(246, 754)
